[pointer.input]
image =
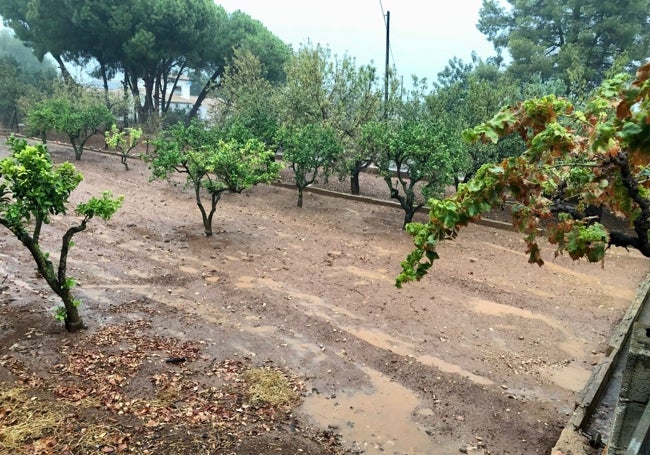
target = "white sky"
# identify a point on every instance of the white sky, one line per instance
(424, 34)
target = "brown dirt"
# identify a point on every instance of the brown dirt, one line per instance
(486, 353)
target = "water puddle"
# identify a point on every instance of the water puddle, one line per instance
(384, 341)
(377, 420)
(610, 291)
(570, 377)
(188, 269)
(570, 345)
(368, 274)
(312, 304)
(453, 368)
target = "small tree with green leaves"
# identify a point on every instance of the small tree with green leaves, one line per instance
(123, 141)
(413, 159)
(212, 165)
(309, 150)
(575, 159)
(31, 190)
(74, 112)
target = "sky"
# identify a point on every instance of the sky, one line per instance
(424, 34)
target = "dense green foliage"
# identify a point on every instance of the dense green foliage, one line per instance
(331, 91)
(148, 41)
(577, 41)
(410, 148)
(32, 189)
(574, 159)
(311, 151)
(10, 88)
(211, 164)
(413, 159)
(123, 140)
(247, 108)
(471, 93)
(33, 71)
(75, 112)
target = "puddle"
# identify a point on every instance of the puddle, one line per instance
(138, 274)
(368, 274)
(570, 377)
(188, 269)
(377, 420)
(385, 341)
(245, 282)
(570, 345)
(610, 291)
(312, 304)
(453, 368)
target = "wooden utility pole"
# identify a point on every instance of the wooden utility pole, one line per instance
(387, 63)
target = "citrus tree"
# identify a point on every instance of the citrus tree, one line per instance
(123, 140)
(32, 189)
(310, 151)
(574, 159)
(74, 112)
(413, 159)
(212, 165)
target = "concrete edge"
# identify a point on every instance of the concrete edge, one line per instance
(368, 200)
(570, 440)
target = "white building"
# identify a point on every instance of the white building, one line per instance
(182, 100)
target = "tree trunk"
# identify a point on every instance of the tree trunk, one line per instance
(207, 88)
(78, 149)
(358, 167)
(354, 184)
(207, 221)
(67, 77)
(73, 321)
(300, 191)
(56, 281)
(408, 216)
(107, 100)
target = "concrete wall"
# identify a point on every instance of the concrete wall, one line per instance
(632, 415)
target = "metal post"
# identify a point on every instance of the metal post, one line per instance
(387, 63)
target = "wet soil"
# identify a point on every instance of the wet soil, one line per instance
(486, 353)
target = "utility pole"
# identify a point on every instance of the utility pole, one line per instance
(387, 63)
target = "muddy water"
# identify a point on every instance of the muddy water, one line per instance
(570, 344)
(385, 341)
(376, 420)
(570, 377)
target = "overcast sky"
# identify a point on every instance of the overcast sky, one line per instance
(424, 34)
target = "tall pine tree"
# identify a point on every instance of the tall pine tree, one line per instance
(577, 41)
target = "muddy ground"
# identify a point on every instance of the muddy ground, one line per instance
(486, 354)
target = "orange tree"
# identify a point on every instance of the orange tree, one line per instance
(32, 189)
(213, 163)
(574, 159)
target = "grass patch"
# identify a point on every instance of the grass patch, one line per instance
(269, 387)
(25, 419)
